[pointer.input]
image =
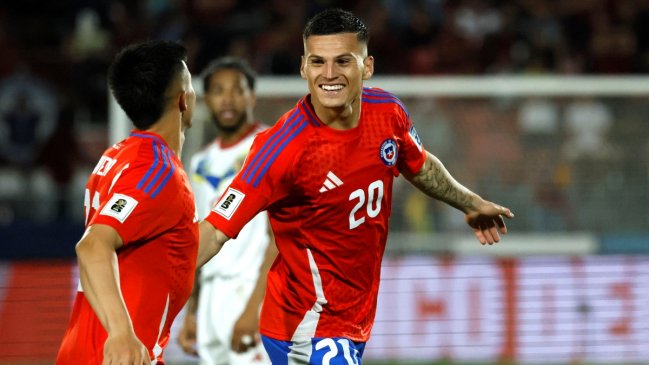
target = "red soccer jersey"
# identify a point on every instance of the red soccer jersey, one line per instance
(140, 189)
(328, 196)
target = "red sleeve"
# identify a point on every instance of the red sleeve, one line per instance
(412, 154)
(260, 183)
(140, 211)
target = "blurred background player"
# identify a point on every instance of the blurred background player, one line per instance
(324, 173)
(230, 288)
(137, 256)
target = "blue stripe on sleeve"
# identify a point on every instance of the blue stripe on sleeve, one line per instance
(310, 115)
(384, 98)
(166, 178)
(165, 166)
(267, 148)
(272, 159)
(156, 160)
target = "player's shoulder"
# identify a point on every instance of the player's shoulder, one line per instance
(290, 128)
(380, 100)
(144, 149)
(151, 163)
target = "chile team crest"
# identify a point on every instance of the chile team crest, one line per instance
(389, 152)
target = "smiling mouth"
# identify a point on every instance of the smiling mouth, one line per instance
(228, 114)
(337, 87)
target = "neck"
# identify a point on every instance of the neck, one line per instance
(229, 137)
(342, 118)
(172, 132)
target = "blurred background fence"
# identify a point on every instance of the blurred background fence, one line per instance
(539, 105)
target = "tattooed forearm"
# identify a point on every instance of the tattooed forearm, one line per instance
(434, 180)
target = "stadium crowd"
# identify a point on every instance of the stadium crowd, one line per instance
(63, 48)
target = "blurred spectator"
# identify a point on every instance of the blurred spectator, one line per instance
(61, 155)
(476, 19)
(551, 209)
(89, 38)
(538, 120)
(28, 110)
(612, 45)
(587, 122)
(71, 50)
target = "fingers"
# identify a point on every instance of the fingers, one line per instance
(187, 342)
(507, 213)
(490, 233)
(487, 231)
(189, 348)
(501, 224)
(243, 343)
(488, 223)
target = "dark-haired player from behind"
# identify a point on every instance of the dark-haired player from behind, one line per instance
(324, 173)
(137, 257)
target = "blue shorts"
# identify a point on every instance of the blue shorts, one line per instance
(317, 351)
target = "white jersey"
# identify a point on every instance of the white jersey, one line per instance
(211, 171)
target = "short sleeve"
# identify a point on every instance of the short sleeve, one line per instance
(138, 208)
(412, 154)
(260, 183)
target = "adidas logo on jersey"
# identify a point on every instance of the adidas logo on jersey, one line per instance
(331, 182)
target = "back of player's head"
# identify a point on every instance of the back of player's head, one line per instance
(140, 76)
(229, 63)
(335, 21)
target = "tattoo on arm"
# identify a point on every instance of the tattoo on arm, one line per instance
(434, 180)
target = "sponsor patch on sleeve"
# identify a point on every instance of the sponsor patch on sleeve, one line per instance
(119, 206)
(415, 137)
(229, 203)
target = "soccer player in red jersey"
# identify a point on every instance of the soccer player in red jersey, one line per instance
(137, 257)
(324, 173)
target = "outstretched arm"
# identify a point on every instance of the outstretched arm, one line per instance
(210, 241)
(484, 217)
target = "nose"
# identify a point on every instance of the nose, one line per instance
(329, 70)
(227, 97)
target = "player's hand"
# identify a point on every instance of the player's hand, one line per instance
(187, 335)
(244, 332)
(125, 349)
(487, 221)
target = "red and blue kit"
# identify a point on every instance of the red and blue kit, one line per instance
(139, 188)
(328, 196)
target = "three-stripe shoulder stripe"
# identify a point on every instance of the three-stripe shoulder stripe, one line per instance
(312, 118)
(382, 97)
(163, 168)
(267, 154)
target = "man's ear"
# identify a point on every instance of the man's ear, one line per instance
(302, 64)
(182, 101)
(368, 62)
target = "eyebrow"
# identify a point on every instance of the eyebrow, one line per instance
(335, 57)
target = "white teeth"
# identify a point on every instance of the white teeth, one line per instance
(331, 87)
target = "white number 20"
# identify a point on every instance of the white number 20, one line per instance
(373, 206)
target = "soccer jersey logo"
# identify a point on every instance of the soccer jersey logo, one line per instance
(119, 206)
(415, 137)
(228, 203)
(389, 152)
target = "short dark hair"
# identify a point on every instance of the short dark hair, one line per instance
(230, 63)
(139, 78)
(335, 21)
